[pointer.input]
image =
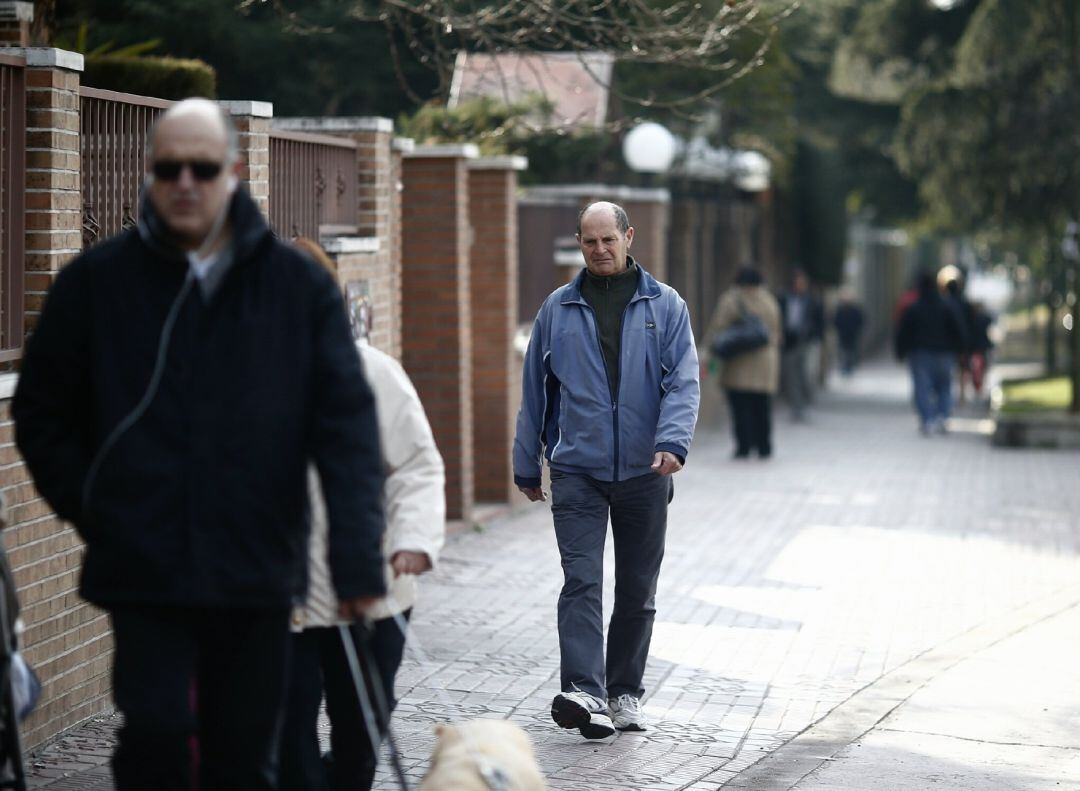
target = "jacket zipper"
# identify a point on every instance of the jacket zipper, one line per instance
(618, 383)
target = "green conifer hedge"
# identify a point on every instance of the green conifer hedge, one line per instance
(164, 78)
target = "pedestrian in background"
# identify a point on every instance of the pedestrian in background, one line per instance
(415, 505)
(803, 322)
(848, 319)
(181, 377)
(751, 379)
(981, 346)
(950, 281)
(610, 399)
(930, 336)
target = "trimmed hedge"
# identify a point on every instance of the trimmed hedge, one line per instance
(165, 78)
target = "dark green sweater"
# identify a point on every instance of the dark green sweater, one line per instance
(608, 297)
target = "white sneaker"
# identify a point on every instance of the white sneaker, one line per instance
(582, 711)
(626, 713)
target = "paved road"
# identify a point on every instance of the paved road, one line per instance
(791, 589)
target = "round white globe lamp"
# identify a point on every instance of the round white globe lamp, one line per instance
(649, 148)
(751, 171)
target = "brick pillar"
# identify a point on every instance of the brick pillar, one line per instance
(375, 218)
(400, 147)
(437, 332)
(252, 121)
(15, 21)
(66, 640)
(648, 210)
(53, 182)
(374, 167)
(494, 294)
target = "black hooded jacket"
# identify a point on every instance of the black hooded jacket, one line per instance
(202, 501)
(930, 324)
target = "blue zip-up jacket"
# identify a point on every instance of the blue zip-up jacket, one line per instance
(568, 412)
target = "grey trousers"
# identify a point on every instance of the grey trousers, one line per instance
(794, 378)
(638, 509)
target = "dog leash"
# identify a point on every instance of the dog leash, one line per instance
(494, 777)
(366, 708)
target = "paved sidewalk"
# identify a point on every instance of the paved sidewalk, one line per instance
(798, 596)
(1003, 719)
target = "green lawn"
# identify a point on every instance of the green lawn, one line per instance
(1037, 395)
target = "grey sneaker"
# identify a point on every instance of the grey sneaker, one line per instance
(626, 714)
(582, 711)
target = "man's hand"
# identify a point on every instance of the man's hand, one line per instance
(534, 493)
(665, 463)
(355, 609)
(407, 562)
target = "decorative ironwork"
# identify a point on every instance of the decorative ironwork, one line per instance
(91, 228)
(313, 182)
(114, 129)
(12, 204)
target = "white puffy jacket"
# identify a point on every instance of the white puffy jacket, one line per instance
(413, 497)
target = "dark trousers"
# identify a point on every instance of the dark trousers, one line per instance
(849, 354)
(751, 421)
(319, 663)
(202, 692)
(794, 379)
(580, 506)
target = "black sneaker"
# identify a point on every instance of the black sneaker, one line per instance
(582, 711)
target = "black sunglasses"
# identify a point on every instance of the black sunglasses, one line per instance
(170, 169)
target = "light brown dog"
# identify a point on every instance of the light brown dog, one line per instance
(483, 755)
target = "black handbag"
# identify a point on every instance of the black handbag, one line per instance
(746, 334)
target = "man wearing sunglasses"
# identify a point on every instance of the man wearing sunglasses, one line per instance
(180, 378)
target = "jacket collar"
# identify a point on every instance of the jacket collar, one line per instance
(647, 287)
(249, 228)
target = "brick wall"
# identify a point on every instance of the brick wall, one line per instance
(494, 293)
(53, 188)
(648, 214)
(436, 331)
(375, 171)
(370, 268)
(252, 120)
(66, 640)
(378, 217)
(399, 148)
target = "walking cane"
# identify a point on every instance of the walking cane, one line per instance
(369, 712)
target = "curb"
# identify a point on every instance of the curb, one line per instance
(787, 766)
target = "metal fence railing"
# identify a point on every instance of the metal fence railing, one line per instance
(12, 204)
(114, 128)
(313, 184)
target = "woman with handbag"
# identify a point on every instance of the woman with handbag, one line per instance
(752, 376)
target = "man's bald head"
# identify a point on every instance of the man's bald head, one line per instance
(192, 170)
(202, 115)
(622, 221)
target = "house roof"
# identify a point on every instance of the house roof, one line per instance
(576, 83)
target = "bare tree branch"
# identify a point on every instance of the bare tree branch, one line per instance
(692, 35)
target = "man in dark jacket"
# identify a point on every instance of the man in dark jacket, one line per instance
(848, 321)
(180, 379)
(804, 323)
(930, 335)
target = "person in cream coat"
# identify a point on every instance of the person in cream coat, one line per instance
(415, 506)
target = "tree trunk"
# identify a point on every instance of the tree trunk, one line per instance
(1051, 335)
(1050, 298)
